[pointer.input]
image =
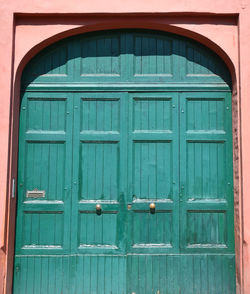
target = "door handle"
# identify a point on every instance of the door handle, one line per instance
(152, 207)
(98, 208)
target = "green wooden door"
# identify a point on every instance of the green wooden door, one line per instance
(125, 187)
(180, 146)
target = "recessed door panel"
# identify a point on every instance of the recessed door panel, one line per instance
(206, 170)
(100, 114)
(152, 169)
(98, 231)
(99, 164)
(153, 230)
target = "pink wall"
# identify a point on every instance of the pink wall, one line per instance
(28, 26)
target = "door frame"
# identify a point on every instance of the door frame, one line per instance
(145, 23)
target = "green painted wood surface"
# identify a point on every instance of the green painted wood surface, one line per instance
(124, 149)
(126, 56)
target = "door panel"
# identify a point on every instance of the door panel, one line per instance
(101, 274)
(152, 230)
(99, 163)
(153, 172)
(99, 170)
(69, 274)
(153, 178)
(45, 165)
(181, 274)
(206, 202)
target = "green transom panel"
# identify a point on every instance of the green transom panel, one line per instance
(125, 56)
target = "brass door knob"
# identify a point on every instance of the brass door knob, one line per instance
(152, 205)
(98, 207)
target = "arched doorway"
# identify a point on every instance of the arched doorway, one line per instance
(125, 168)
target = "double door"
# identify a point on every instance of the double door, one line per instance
(125, 192)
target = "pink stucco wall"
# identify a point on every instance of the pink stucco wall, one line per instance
(28, 26)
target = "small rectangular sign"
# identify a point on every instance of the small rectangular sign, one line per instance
(35, 194)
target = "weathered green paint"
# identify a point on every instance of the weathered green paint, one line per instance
(124, 119)
(123, 58)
